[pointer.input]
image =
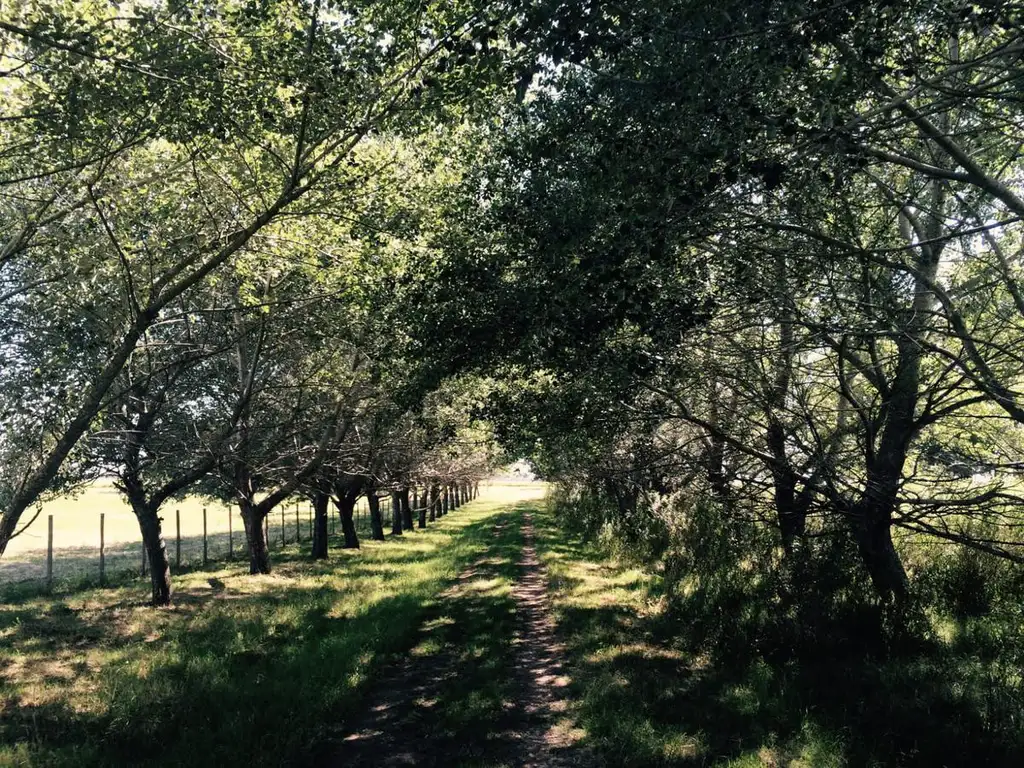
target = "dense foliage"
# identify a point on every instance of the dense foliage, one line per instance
(745, 281)
(756, 274)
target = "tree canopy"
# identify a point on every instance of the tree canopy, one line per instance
(762, 259)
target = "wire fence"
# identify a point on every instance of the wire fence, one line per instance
(195, 538)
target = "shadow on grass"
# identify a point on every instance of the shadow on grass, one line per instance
(649, 697)
(242, 670)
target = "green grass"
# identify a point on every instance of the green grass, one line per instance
(649, 694)
(274, 670)
(242, 670)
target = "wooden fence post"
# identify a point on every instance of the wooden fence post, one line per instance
(204, 538)
(177, 547)
(103, 554)
(49, 553)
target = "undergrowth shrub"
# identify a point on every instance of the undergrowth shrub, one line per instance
(637, 534)
(731, 592)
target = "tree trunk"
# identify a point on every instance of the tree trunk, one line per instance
(445, 500)
(156, 550)
(406, 509)
(433, 501)
(421, 506)
(872, 528)
(396, 513)
(259, 555)
(717, 477)
(346, 511)
(791, 512)
(871, 515)
(321, 501)
(376, 521)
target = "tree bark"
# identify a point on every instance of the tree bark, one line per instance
(717, 478)
(445, 500)
(259, 555)
(872, 527)
(791, 516)
(790, 510)
(376, 521)
(396, 513)
(346, 505)
(433, 502)
(347, 490)
(156, 550)
(871, 516)
(321, 501)
(421, 506)
(406, 509)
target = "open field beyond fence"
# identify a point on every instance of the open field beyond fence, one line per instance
(76, 539)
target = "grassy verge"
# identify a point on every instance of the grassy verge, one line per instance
(648, 695)
(240, 671)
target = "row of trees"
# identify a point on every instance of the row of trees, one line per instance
(210, 217)
(765, 255)
(770, 257)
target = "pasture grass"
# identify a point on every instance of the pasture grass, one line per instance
(76, 534)
(241, 670)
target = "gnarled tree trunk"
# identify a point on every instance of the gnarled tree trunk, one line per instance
(346, 505)
(872, 529)
(156, 551)
(403, 495)
(259, 555)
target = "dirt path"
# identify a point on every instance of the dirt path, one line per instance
(495, 692)
(540, 661)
